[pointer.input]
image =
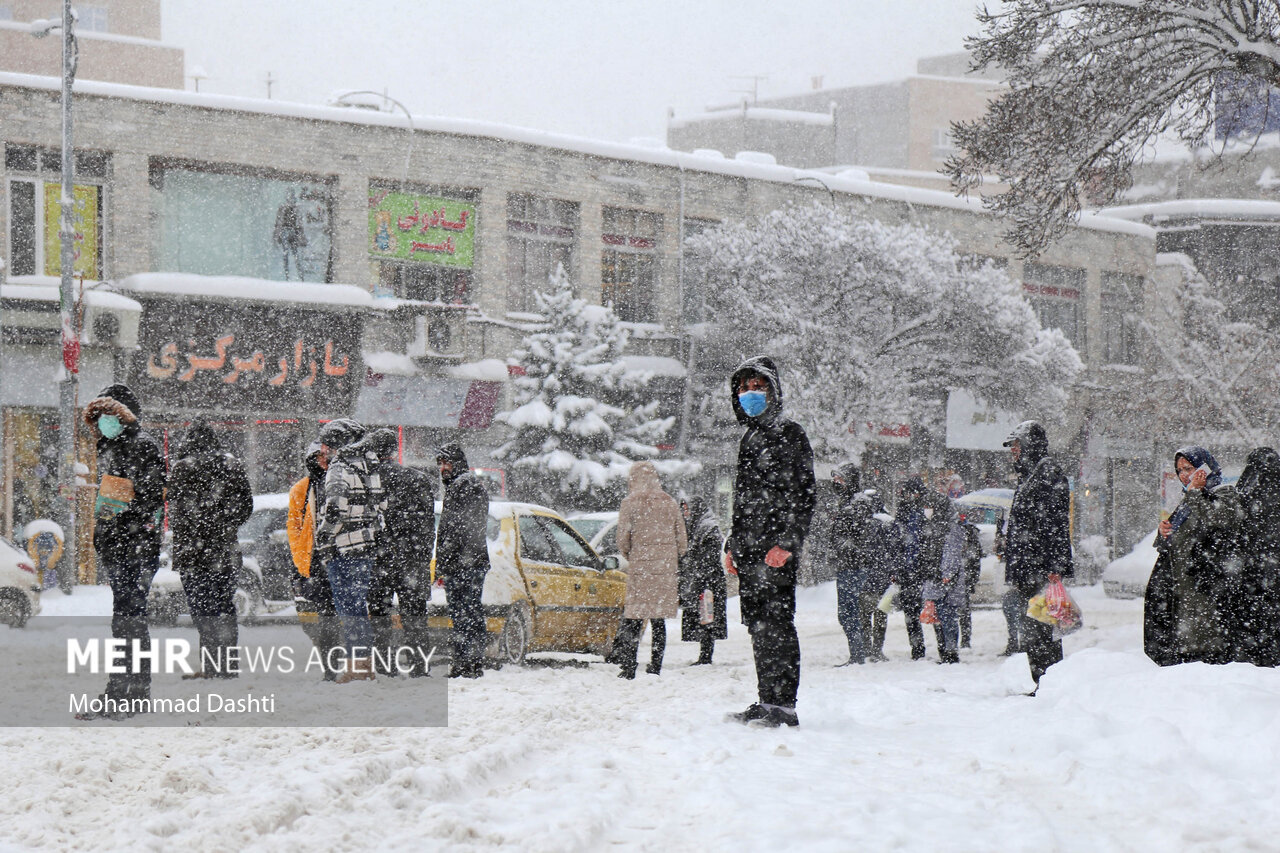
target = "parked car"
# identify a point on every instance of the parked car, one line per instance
(600, 529)
(19, 586)
(264, 568)
(547, 590)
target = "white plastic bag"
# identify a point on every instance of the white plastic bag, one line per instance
(889, 601)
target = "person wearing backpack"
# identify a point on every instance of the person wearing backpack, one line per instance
(209, 498)
(348, 534)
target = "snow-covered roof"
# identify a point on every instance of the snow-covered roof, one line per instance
(45, 288)
(1200, 208)
(658, 365)
(493, 130)
(86, 34)
(485, 370)
(393, 363)
(757, 114)
(231, 287)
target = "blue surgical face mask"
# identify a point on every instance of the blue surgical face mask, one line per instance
(110, 426)
(753, 402)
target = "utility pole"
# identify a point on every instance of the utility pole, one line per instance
(270, 80)
(69, 386)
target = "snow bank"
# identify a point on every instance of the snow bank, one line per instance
(1126, 577)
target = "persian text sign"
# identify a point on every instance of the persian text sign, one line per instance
(422, 228)
(212, 355)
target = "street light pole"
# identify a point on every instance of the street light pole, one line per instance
(342, 101)
(69, 386)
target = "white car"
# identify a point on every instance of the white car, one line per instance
(19, 586)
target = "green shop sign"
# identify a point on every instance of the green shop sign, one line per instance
(422, 228)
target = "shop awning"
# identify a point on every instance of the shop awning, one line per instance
(422, 401)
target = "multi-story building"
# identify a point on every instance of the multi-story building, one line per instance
(265, 265)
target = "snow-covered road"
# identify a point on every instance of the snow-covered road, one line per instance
(1114, 754)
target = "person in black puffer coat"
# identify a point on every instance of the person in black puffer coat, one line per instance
(774, 493)
(702, 571)
(1253, 606)
(923, 520)
(1038, 537)
(462, 558)
(855, 541)
(402, 568)
(127, 530)
(209, 498)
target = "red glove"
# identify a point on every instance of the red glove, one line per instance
(729, 567)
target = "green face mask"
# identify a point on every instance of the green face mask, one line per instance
(110, 426)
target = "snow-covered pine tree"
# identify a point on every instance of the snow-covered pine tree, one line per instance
(579, 418)
(874, 322)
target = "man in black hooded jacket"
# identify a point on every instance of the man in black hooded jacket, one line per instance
(402, 566)
(209, 498)
(462, 557)
(127, 533)
(1037, 538)
(773, 500)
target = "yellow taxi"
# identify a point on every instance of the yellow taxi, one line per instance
(546, 590)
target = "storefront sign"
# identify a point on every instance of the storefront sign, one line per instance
(973, 424)
(85, 219)
(422, 228)
(228, 358)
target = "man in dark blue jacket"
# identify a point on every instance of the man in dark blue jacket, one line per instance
(1038, 537)
(773, 500)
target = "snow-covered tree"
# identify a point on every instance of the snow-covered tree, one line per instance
(1094, 82)
(875, 323)
(1212, 372)
(580, 418)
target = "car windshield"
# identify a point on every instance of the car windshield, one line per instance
(261, 523)
(588, 527)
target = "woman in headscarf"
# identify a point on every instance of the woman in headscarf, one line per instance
(1253, 610)
(1183, 614)
(702, 573)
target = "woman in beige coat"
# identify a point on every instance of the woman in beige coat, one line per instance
(651, 536)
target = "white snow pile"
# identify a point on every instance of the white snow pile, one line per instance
(1127, 576)
(1114, 754)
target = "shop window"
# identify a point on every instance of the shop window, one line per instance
(426, 283)
(540, 237)
(91, 19)
(227, 220)
(1121, 305)
(1056, 294)
(629, 263)
(34, 189)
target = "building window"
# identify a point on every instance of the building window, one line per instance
(696, 276)
(540, 237)
(629, 263)
(91, 19)
(423, 241)
(944, 144)
(34, 188)
(223, 219)
(6, 12)
(1055, 295)
(1121, 305)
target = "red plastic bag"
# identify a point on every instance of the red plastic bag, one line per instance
(1062, 608)
(929, 616)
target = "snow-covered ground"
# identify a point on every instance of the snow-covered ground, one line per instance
(1113, 754)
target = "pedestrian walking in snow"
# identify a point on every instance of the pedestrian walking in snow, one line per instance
(702, 582)
(126, 534)
(209, 498)
(651, 538)
(1184, 614)
(774, 492)
(946, 590)
(348, 534)
(854, 543)
(1253, 614)
(972, 573)
(462, 557)
(313, 595)
(1038, 538)
(884, 561)
(402, 569)
(923, 518)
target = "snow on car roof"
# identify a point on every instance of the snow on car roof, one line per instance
(278, 500)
